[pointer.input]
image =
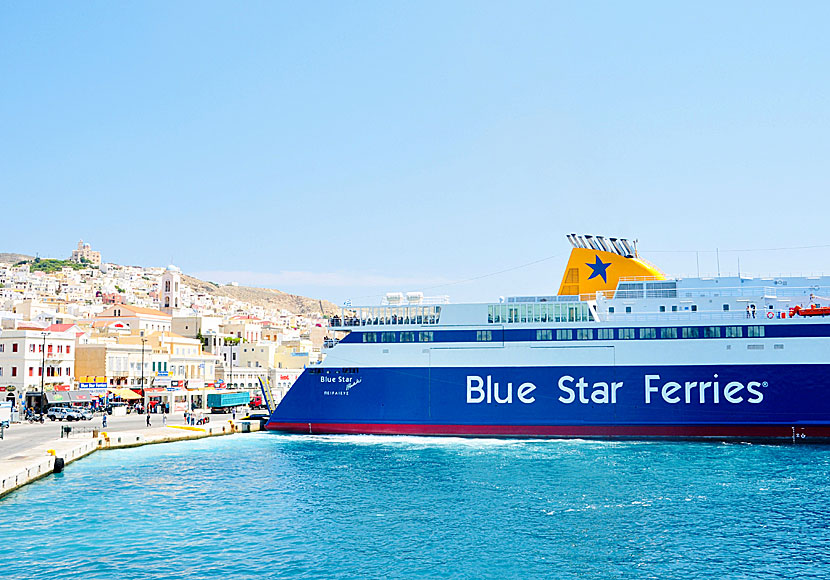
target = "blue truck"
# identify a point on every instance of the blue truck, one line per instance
(224, 400)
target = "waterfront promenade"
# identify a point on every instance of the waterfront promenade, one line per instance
(31, 451)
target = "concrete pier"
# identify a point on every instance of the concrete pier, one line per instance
(39, 461)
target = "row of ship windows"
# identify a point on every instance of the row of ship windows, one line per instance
(646, 333)
(589, 334)
(424, 336)
(539, 312)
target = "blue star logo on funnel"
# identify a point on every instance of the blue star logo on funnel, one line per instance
(598, 268)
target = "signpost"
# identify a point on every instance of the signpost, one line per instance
(5, 417)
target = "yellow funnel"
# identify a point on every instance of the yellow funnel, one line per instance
(590, 271)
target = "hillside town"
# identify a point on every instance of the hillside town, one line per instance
(86, 332)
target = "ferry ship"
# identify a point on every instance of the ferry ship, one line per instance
(621, 351)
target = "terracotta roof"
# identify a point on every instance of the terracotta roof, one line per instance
(59, 327)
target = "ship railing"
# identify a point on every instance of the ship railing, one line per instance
(699, 316)
(747, 293)
(643, 279)
(330, 342)
(385, 316)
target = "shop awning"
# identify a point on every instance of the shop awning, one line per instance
(125, 394)
(79, 396)
(57, 397)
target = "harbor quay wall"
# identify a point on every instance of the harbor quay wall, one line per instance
(53, 456)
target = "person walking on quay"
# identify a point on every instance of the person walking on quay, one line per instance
(104, 420)
(164, 420)
(148, 419)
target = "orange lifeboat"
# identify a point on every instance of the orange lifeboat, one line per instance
(813, 310)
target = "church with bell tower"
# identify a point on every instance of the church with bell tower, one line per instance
(170, 295)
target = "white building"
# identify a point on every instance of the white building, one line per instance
(134, 318)
(31, 358)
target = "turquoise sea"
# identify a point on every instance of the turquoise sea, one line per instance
(281, 506)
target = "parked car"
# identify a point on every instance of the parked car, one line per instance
(86, 414)
(56, 413)
(261, 416)
(65, 413)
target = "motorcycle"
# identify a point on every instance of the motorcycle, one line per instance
(33, 417)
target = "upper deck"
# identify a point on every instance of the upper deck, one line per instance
(606, 282)
(633, 303)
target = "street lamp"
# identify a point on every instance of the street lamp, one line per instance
(143, 342)
(230, 383)
(42, 372)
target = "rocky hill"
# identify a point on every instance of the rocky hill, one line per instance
(11, 258)
(265, 297)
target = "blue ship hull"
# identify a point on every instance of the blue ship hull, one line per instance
(723, 401)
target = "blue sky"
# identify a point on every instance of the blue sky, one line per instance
(343, 149)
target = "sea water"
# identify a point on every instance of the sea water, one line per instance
(281, 506)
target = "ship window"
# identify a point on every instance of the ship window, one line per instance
(544, 335)
(370, 337)
(387, 337)
(668, 333)
(690, 332)
(628, 309)
(694, 307)
(662, 309)
(537, 313)
(407, 337)
(605, 333)
(630, 290)
(425, 336)
(725, 307)
(661, 289)
(674, 308)
(484, 335)
(490, 314)
(711, 331)
(648, 333)
(626, 333)
(585, 334)
(755, 331)
(734, 332)
(564, 334)
(610, 310)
